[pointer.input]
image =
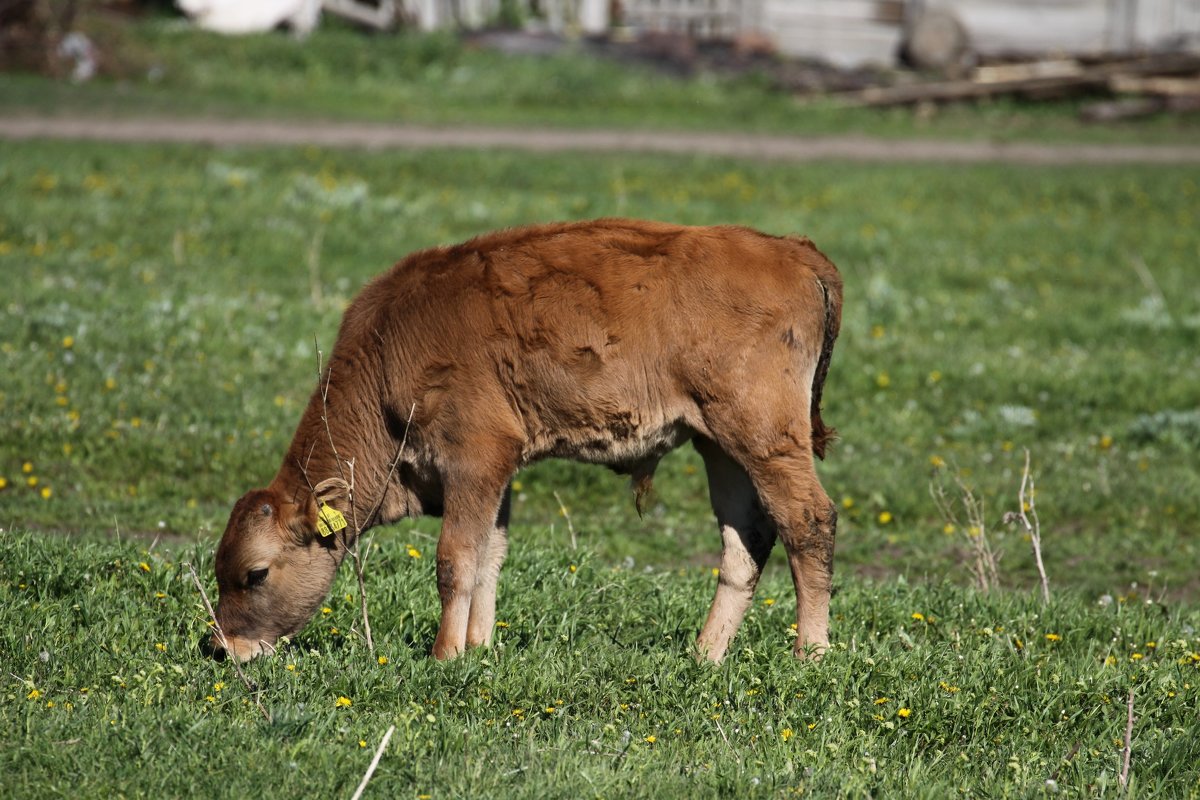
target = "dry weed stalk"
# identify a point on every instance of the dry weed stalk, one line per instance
(374, 763)
(1127, 752)
(1027, 516)
(220, 634)
(567, 515)
(984, 559)
(348, 537)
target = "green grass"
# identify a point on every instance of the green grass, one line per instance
(169, 69)
(988, 310)
(159, 314)
(932, 691)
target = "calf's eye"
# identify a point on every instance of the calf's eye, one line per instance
(255, 577)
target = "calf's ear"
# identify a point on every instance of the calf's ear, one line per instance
(329, 490)
(301, 519)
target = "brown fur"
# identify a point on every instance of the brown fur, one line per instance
(610, 342)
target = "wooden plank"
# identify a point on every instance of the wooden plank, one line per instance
(1026, 70)
(1167, 87)
(1100, 76)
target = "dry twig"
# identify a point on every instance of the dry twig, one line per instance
(349, 541)
(984, 563)
(1127, 753)
(567, 515)
(1027, 516)
(374, 763)
(220, 634)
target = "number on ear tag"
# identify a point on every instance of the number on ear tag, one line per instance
(330, 521)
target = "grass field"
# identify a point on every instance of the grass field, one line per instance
(933, 691)
(165, 68)
(158, 330)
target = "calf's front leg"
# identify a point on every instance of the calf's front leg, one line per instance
(464, 556)
(482, 620)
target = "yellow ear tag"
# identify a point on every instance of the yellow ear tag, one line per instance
(329, 521)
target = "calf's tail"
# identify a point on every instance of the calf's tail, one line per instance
(830, 282)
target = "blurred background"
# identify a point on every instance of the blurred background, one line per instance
(190, 194)
(876, 53)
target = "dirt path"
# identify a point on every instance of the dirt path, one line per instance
(374, 136)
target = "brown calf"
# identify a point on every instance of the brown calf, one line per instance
(610, 342)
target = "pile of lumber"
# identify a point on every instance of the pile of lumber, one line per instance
(1138, 86)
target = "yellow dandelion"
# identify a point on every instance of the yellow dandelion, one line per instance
(160, 647)
(572, 569)
(110, 383)
(382, 660)
(27, 467)
(34, 694)
(1136, 657)
(343, 702)
(46, 493)
(550, 709)
(1105, 442)
(517, 486)
(210, 698)
(785, 734)
(3, 483)
(770, 601)
(326, 610)
(1053, 637)
(879, 701)
(918, 616)
(362, 742)
(812, 726)
(413, 552)
(143, 566)
(847, 502)
(904, 713)
(882, 380)
(218, 686)
(937, 461)
(1110, 661)
(877, 331)
(160, 595)
(290, 667)
(885, 517)
(50, 703)
(651, 739)
(31, 481)
(501, 624)
(716, 572)
(68, 342)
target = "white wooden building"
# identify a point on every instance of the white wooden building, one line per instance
(857, 32)
(842, 32)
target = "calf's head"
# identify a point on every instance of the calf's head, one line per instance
(273, 571)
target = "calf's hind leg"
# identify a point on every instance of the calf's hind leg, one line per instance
(806, 519)
(773, 445)
(747, 536)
